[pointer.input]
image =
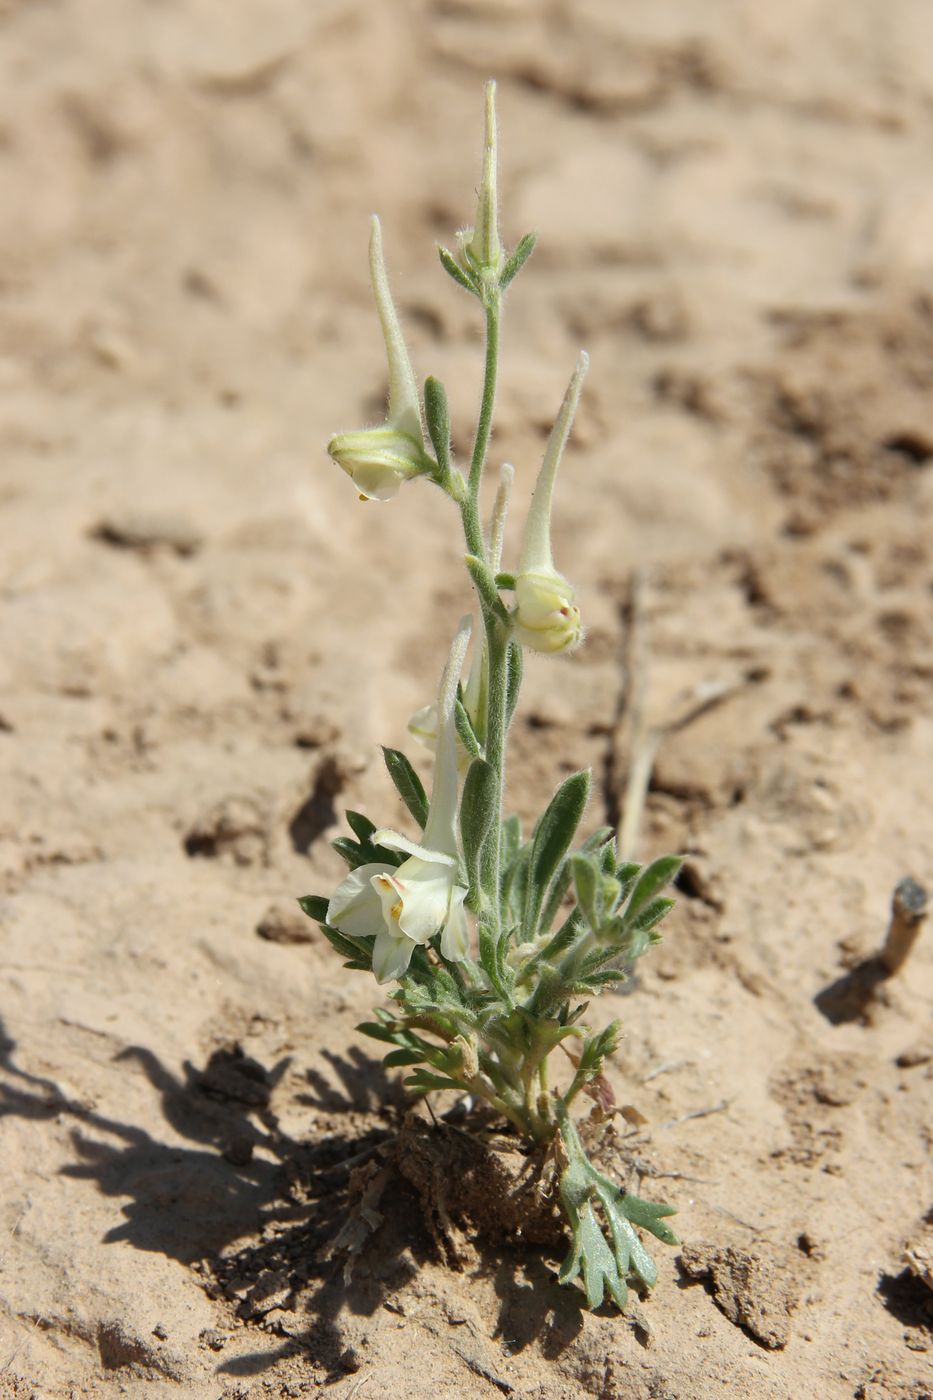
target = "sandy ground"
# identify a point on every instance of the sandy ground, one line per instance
(205, 637)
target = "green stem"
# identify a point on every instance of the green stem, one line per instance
(484, 426)
(496, 730)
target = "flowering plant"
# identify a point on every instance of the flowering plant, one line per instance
(494, 940)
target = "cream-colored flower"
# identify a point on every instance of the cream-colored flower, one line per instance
(546, 617)
(379, 460)
(403, 907)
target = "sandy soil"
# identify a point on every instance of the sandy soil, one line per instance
(205, 637)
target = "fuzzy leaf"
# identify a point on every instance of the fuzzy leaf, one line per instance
(437, 418)
(517, 259)
(586, 874)
(452, 267)
(477, 814)
(650, 882)
(514, 668)
(466, 731)
(409, 785)
(553, 835)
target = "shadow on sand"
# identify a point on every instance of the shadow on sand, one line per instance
(256, 1213)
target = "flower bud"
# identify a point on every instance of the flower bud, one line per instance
(378, 460)
(547, 618)
(480, 246)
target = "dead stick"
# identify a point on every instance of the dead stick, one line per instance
(908, 911)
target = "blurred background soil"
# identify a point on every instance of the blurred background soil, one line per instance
(204, 637)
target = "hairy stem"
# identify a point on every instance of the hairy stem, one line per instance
(490, 376)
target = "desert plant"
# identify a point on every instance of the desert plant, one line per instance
(495, 940)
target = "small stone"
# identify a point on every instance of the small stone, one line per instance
(214, 1338)
(351, 1360)
(160, 1331)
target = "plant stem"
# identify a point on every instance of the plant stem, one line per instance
(484, 426)
(496, 725)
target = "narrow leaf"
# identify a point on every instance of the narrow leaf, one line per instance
(403, 1057)
(437, 417)
(477, 814)
(361, 826)
(552, 838)
(586, 887)
(517, 260)
(650, 882)
(450, 265)
(466, 731)
(315, 906)
(513, 672)
(409, 785)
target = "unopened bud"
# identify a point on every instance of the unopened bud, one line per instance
(379, 460)
(547, 619)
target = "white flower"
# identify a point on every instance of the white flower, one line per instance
(546, 617)
(379, 460)
(404, 906)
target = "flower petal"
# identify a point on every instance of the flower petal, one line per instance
(455, 940)
(391, 956)
(354, 906)
(395, 841)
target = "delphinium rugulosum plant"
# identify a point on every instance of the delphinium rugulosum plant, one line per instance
(494, 941)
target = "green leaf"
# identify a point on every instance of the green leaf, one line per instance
(516, 261)
(356, 855)
(504, 580)
(315, 906)
(361, 826)
(650, 882)
(605, 1263)
(423, 1082)
(477, 815)
(409, 785)
(377, 1030)
(403, 1057)
(466, 731)
(559, 887)
(513, 679)
(450, 265)
(586, 874)
(353, 948)
(437, 417)
(550, 843)
(653, 913)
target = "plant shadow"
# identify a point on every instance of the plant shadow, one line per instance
(261, 1216)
